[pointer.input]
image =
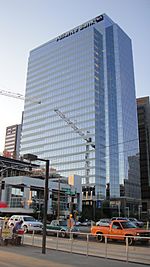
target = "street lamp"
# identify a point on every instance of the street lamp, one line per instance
(32, 157)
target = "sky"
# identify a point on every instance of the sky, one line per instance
(26, 24)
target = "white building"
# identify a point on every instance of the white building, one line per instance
(24, 194)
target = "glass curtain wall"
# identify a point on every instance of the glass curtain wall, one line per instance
(61, 75)
(88, 75)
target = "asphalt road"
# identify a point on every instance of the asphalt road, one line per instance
(27, 256)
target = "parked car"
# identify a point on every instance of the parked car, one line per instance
(133, 220)
(103, 222)
(87, 223)
(62, 227)
(136, 222)
(29, 224)
(77, 223)
(119, 218)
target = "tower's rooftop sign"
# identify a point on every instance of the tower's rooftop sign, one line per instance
(80, 28)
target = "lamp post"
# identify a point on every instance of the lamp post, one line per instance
(32, 157)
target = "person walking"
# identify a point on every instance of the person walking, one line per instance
(70, 224)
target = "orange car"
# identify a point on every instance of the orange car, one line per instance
(118, 230)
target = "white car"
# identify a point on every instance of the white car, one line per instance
(103, 222)
(29, 224)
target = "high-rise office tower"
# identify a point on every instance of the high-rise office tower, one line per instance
(12, 141)
(86, 73)
(143, 108)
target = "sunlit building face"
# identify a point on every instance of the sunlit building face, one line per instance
(87, 73)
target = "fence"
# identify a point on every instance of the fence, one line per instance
(85, 244)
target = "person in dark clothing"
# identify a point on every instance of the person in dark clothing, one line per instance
(16, 237)
(17, 226)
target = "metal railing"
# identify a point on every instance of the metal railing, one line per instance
(85, 244)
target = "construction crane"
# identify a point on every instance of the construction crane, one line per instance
(18, 96)
(21, 97)
(84, 136)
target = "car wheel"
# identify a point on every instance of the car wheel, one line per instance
(25, 228)
(63, 234)
(100, 237)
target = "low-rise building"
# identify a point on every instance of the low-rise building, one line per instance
(24, 193)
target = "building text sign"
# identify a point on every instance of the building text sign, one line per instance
(80, 28)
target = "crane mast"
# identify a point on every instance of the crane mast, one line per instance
(84, 136)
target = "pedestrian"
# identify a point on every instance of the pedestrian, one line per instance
(17, 226)
(70, 224)
(16, 237)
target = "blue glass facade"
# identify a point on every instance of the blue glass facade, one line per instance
(87, 73)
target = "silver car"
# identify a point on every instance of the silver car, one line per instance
(103, 222)
(29, 224)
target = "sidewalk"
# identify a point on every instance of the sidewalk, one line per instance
(26, 256)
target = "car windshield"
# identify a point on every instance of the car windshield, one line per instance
(128, 224)
(63, 223)
(29, 219)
